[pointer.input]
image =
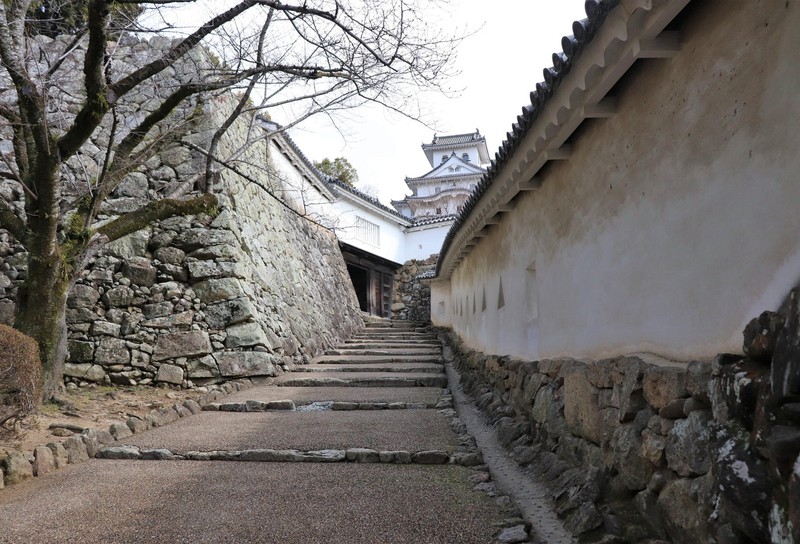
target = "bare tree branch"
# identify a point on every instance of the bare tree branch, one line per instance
(155, 211)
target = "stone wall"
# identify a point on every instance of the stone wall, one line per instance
(640, 448)
(192, 300)
(411, 295)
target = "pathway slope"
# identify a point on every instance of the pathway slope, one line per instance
(363, 445)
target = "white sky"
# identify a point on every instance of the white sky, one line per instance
(500, 65)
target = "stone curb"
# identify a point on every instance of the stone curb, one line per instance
(20, 466)
(336, 406)
(351, 455)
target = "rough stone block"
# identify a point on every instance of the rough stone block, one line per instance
(218, 289)
(82, 296)
(398, 457)
(140, 271)
(112, 351)
(17, 468)
(698, 377)
(85, 371)
(201, 270)
(761, 335)
(202, 367)
(80, 351)
(245, 363)
(664, 384)
(44, 461)
(785, 367)
(627, 394)
(179, 321)
(104, 328)
(687, 448)
(59, 454)
(120, 431)
(196, 238)
(182, 344)
(192, 406)
(627, 452)
(362, 455)
(76, 450)
(120, 296)
(581, 408)
(137, 425)
(682, 515)
(119, 452)
(245, 335)
(431, 457)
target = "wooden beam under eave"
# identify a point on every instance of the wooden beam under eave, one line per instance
(664, 46)
(604, 109)
(494, 220)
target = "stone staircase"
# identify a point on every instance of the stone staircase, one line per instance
(377, 410)
(382, 355)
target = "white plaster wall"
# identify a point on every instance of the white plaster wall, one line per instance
(422, 242)
(673, 223)
(344, 214)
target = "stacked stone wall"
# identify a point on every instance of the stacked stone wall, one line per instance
(202, 299)
(640, 448)
(411, 294)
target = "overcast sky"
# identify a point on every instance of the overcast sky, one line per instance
(500, 65)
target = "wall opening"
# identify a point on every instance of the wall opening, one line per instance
(483, 300)
(360, 278)
(501, 298)
(531, 294)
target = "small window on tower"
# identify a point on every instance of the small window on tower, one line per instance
(438, 211)
(465, 157)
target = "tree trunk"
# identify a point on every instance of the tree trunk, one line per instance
(41, 311)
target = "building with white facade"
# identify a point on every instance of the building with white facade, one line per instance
(375, 239)
(457, 162)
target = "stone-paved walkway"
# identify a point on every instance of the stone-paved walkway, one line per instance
(362, 446)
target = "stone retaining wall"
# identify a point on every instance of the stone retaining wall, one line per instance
(642, 448)
(193, 300)
(411, 296)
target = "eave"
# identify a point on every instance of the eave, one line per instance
(603, 49)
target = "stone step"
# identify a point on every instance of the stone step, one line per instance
(433, 368)
(266, 455)
(396, 325)
(376, 359)
(399, 344)
(402, 351)
(394, 337)
(301, 396)
(363, 379)
(410, 430)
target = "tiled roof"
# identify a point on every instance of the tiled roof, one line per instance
(322, 177)
(341, 186)
(430, 220)
(573, 45)
(454, 139)
(424, 177)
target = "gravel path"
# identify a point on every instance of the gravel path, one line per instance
(132, 502)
